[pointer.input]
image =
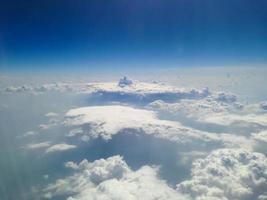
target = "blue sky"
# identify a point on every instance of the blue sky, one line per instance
(65, 34)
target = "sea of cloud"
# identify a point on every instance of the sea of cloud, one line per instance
(219, 143)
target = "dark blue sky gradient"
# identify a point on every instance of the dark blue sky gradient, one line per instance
(52, 34)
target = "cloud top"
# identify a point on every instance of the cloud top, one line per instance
(112, 178)
(228, 174)
(106, 121)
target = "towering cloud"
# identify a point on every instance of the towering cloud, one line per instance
(111, 178)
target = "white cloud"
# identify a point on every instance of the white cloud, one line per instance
(46, 176)
(189, 156)
(225, 174)
(27, 134)
(71, 165)
(260, 142)
(59, 87)
(207, 112)
(40, 145)
(225, 97)
(49, 147)
(50, 124)
(139, 92)
(241, 120)
(23, 88)
(51, 114)
(228, 174)
(106, 121)
(263, 105)
(123, 91)
(60, 147)
(112, 178)
(75, 132)
(196, 121)
(45, 126)
(109, 120)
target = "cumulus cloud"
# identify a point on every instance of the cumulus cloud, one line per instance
(192, 122)
(111, 178)
(260, 141)
(60, 147)
(225, 174)
(199, 120)
(75, 132)
(213, 114)
(263, 105)
(225, 97)
(106, 121)
(125, 82)
(125, 90)
(99, 121)
(109, 120)
(200, 109)
(142, 93)
(228, 174)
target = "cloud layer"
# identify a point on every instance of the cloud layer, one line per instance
(221, 140)
(125, 90)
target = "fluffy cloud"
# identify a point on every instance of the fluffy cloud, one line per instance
(216, 115)
(142, 93)
(263, 105)
(225, 174)
(260, 141)
(228, 174)
(106, 121)
(225, 97)
(197, 120)
(192, 123)
(111, 178)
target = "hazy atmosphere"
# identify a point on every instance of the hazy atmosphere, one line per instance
(133, 100)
